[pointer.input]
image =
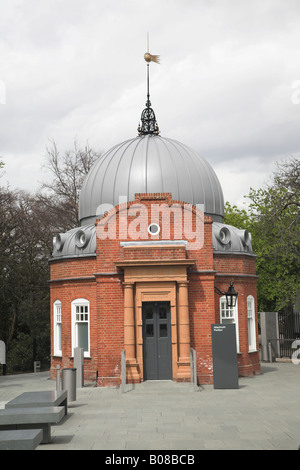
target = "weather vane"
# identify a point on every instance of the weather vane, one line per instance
(148, 119)
(149, 57)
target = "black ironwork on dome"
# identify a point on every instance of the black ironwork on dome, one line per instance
(148, 120)
(148, 123)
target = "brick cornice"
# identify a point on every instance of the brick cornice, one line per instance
(67, 279)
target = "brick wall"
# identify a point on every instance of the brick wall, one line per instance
(67, 291)
(110, 329)
(242, 271)
(98, 280)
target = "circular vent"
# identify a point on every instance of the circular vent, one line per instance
(154, 229)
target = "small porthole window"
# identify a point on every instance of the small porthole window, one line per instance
(154, 229)
(224, 235)
(81, 239)
(58, 242)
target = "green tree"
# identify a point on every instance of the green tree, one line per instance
(273, 220)
(239, 218)
(276, 237)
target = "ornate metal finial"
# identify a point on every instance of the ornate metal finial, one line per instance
(148, 120)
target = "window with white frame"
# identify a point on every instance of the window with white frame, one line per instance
(251, 323)
(81, 326)
(57, 328)
(230, 315)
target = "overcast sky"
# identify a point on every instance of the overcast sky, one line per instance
(228, 84)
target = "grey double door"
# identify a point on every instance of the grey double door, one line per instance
(157, 346)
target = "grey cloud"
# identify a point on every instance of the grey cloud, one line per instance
(224, 86)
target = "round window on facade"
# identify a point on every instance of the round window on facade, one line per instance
(154, 229)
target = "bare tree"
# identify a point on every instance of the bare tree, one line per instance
(23, 259)
(27, 225)
(287, 178)
(68, 170)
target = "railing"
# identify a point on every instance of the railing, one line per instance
(283, 345)
(289, 331)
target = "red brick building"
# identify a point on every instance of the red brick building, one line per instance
(144, 271)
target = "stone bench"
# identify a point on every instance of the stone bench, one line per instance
(40, 399)
(32, 418)
(20, 439)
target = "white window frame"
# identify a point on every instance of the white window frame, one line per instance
(57, 328)
(84, 317)
(251, 323)
(230, 315)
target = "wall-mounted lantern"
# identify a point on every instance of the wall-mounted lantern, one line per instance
(231, 295)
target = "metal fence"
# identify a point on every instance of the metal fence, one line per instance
(289, 331)
(281, 347)
(289, 325)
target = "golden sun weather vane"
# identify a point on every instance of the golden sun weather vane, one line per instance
(151, 57)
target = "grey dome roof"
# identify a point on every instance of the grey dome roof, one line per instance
(150, 164)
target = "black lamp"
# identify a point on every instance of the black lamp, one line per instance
(231, 296)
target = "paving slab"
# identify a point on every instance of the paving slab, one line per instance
(20, 439)
(262, 414)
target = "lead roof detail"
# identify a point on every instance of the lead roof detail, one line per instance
(81, 241)
(150, 164)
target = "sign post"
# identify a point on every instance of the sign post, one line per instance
(3, 356)
(225, 364)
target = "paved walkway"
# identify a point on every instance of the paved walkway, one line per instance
(263, 413)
